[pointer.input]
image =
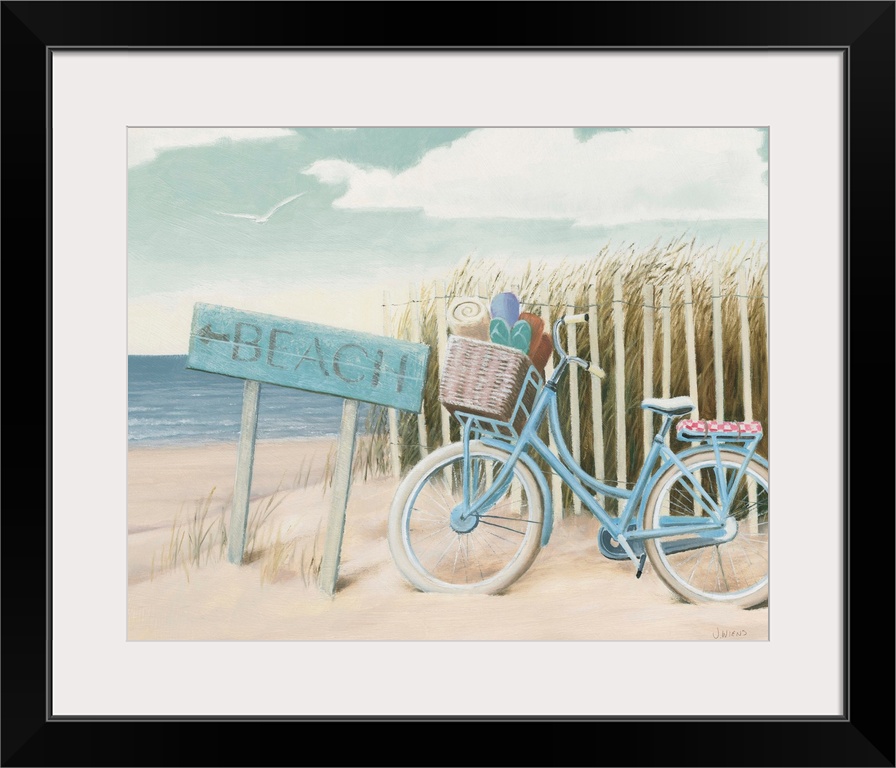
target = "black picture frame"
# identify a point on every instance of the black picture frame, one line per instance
(863, 31)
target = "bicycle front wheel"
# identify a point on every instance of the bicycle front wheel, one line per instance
(711, 568)
(437, 550)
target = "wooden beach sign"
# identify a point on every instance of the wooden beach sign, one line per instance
(359, 367)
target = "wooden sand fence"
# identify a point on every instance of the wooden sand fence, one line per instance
(665, 322)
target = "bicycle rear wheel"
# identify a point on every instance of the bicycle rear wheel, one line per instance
(699, 568)
(438, 552)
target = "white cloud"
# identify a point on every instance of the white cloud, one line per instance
(144, 144)
(613, 178)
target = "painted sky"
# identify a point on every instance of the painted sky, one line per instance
(368, 209)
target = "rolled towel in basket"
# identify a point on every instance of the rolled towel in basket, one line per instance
(469, 317)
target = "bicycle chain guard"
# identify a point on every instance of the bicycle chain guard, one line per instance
(611, 549)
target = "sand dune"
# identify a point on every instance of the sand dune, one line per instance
(570, 593)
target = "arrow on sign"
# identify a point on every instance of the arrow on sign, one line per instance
(206, 334)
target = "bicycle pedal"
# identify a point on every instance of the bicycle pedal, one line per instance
(641, 565)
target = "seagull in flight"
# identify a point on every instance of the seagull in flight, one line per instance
(262, 219)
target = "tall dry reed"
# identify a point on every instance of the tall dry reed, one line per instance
(662, 266)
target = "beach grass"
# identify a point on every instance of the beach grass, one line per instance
(201, 538)
(662, 265)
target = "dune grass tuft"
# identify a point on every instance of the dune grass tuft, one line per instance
(202, 538)
(669, 266)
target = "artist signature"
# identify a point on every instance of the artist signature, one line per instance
(722, 634)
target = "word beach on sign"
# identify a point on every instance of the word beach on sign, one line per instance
(308, 356)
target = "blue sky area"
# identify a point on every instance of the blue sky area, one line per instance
(314, 223)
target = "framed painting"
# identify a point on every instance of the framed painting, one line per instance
(500, 349)
(295, 303)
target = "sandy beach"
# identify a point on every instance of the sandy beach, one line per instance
(181, 586)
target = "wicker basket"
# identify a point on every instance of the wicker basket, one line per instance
(485, 379)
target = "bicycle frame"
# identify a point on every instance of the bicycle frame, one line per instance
(711, 528)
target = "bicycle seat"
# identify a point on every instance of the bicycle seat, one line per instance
(670, 406)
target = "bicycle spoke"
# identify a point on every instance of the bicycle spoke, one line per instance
(734, 572)
(456, 553)
(682, 509)
(464, 556)
(718, 583)
(514, 519)
(700, 554)
(485, 540)
(506, 528)
(451, 541)
(746, 553)
(758, 566)
(688, 556)
(685, 506)
(498, 536)
(475, 559)
(501, 505)
(757, 548)
(441, 529)
(428, 516)
(448, 502)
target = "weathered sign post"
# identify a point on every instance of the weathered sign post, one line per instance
(316, 358)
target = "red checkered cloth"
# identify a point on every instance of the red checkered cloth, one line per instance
(703, 428)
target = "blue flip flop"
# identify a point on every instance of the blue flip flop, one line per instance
(519, 337)
(499, 331)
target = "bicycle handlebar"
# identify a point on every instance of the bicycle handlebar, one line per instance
(592, 367)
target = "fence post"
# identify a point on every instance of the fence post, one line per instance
(619, 365)
(556, 485)
(440, 290)
(691, 350)
(415, 296)
(597, 403)
(746, 363)
(489, 468)
(574, 414)
(717, 342)
(242, 485)
(765, 302)
(691, 345)
(743, 300)
(393, 415)
(649, 323)
(666, 309)
(342, 481)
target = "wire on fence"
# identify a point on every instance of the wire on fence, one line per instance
(598, 305)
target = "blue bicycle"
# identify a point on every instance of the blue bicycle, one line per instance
(472, 516)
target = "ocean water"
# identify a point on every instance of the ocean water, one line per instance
(171, 405)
